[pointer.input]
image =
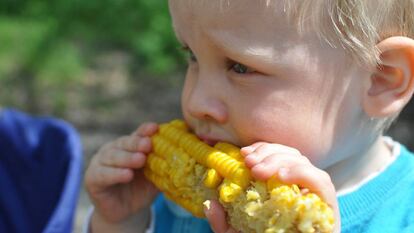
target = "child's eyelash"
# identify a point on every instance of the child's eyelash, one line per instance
(232, 65)
(189, 52)
(239, 67)
(184, 48)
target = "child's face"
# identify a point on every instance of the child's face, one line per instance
(254, 78)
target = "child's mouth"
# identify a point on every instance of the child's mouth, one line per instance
(207, 140)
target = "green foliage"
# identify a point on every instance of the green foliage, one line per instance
(142, 28)
(18, 41)
(49, 44)
(63, 65)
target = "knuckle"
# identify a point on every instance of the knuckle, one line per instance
(93, 160)
(305, 159)
(256, 145)
(119, 142)
(265, 147)
(142, 128)
(326, 177)
(296, 151)
(109, 157)
(103, 148)
(101, 175)
(108, 145)
(89, 189)
(90, 178)
(135, 142)
(268, 146)
(272, 158)
(131, 143)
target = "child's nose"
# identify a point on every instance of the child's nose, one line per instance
(206, 103)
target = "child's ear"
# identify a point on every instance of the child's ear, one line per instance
(392, 83)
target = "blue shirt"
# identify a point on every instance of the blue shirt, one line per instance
(384, 204)
(40, 173)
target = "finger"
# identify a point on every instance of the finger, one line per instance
(254, 158)
(317, 181)
(134, 143)
(103, 177)
(123, 159)
(217, 218)
(249, 149)
(264, 150)
(271, 164)
(263, 146)
(146, 129)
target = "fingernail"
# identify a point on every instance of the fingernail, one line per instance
(246, 150)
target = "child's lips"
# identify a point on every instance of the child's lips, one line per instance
(207, 139)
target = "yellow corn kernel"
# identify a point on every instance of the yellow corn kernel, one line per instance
(179, 124)
(212, 179)
(157, 164)
(273, 183)
(224, 164)
(189, 172)
(252, 195)
(229, 191)
(230, 149)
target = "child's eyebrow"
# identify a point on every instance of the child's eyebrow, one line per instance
(231, 45)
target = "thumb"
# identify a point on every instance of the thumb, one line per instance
(217, 217)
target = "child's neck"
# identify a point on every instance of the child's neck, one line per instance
(353, 172)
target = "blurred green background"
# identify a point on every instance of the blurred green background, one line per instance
(103, 65)
(56, 56)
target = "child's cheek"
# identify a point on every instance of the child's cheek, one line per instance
(311, 143)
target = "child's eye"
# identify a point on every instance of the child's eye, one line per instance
(241, 69)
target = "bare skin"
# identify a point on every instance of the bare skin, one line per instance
(115, 182)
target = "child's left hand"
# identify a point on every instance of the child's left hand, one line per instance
(266, 160)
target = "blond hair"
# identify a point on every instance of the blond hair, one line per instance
(356, 25)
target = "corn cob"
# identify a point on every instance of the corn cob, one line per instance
(189, 172)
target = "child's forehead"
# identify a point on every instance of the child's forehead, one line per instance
(247, 31)
(245, 18)
(220, 12)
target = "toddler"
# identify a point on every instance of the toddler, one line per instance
(306, 88)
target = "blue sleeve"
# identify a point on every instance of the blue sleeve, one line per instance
(408, 229)
(164, 218)
(166, 221)
(40, 173)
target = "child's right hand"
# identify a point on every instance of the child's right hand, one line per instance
(291, 167)
(115, 180)
(266, 160)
